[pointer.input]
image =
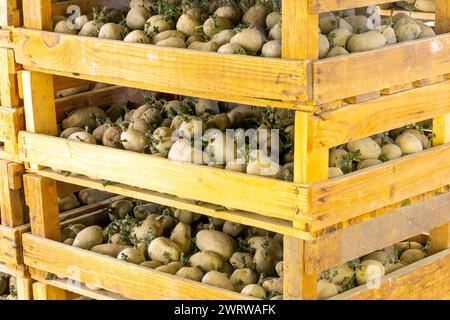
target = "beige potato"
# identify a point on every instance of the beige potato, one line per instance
(151, 264)
(168, 34)
(172, 42)
(69, 131)
(164, 250)
(324, 46)
(405, 245)
(66, 27)
(326, 289)
(112, 31)
(216, 241)
(69, 241)
(391, 267)
(214, 25)
(223, 37)
(251, 39)
(134, 140)
(186, 216)
(425, 5)
(391, 151)
(231, 48)
(340, 36)
(157, 24)
(210, 46)
(426, 31)
(137, 17)
(336, 51)
(88, 237)
(131, 255)
(188, 24)
(273, 285)
(218, 279)
(71, 231)
(190, 273)
(272, 19)
(88, 196)
(370, 270)
(181, 235)
(419, 135)
(170, 268)
(254, 290)
(389, 34)
(336, 157)
(206, 106)
(83, 117)
(334, 172)
(406, 30)
(368, 163)
(366, 41)
(409, 143)
(120, 209)
(256, 15)
(331, 22)
(68, 203)
(272, 49)
(147, 230)
(91, 29)
(206, 261)
(263, 261)
(240, 278)
(109, 249)
(83, 136)
(230, 12)
(368, 148)
(279, 268)
(233, 229)
(358, 23)
(241, 260)
(137, 36)
(412, 255)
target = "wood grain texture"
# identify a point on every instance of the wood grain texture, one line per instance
(9, 13)
(37, 14)
(265, 196)
(245, 218)
(24, 288)
(442, 16)
(338, 126)
(12, 120)
(318, 6)
(9, 96)
(351, 75)
(12, 210)
(129, 280)
(428, 16)
(10, 249)
(178, 71)
(360, 192)
(341, 246)
(423, 280)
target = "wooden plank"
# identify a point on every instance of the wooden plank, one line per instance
(12, 120)
(172, 70)
(8, 83)
(65, 189)
(442, 16)
(335, 248)
(129, 280)
(24, 288)
(63, 83)
(60, 8)
(10, 249)
(427, 279)
(37, 14)
(360, 192)
(427, 16)
(242, 217)
(42, 291)
(12, 211)
(266, 196)
(440, 238)
(318, 6)
(351, 75)
(335, 127)
(41, 198)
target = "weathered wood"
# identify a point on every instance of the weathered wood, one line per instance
(341, 246)
(24, 288)
(42, 291)
(12, 212)
(37, 14)
(442, 16)
(318, 6)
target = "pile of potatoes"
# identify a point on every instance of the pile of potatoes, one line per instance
(369, 268)
(416, 5)
(251, 27)
(8, 289)
(347, 32)
(371, 151)
(84, 197)
(149, 128)
(183, 243)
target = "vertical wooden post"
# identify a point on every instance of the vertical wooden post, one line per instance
(24, 288)
(37, 14)
(42, 291)
(12, 210)
(9, 95)
(442, 16)
(302, 29)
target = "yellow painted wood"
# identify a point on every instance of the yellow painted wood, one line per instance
(442, 16)
(10, 249)
(351, 75)
(42, 291)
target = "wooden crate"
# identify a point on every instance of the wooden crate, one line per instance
(309, 208)
(10, 13)
(120, 279)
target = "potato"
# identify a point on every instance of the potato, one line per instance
(83, 136)
(186, 216)
(69, 241)
(234, 165)
(412, 255)
(91, 28)
(334, 172)
(214, 25)
(164, 250)
(406, 30)
(170, 268)
(190, 273)
(272, 19)
(263, 261)
(88, 196)
(131, 255)
(358, 23)
(168, 34)
(142, 3)
(230, 12)
(263, 166)
(366, 41)
(380, 255)
(273, 285)
(112, 31)
(204, 46)
(272, 49)
(391, 267)
(324, 46)
(426, 31)
(81, 21)
(218, 279)
(167, 221)
(339, 37)
(233, 229)
(188, 24)
(326, 289)
(216, 241)
(254, 290)
(193, 127)
(68, 203)
(389, 34)
(147, 230)
(134, 140)
(109, 249)
(120, 209)
(56, 19)
(419, 135)
(223, 37)
(231, 48)
(88, 237)
(206, 106)
(240, 278)
(425, 5)
(370, 270)
(251, 39)
(69, 131)
(368, 148)
(331, 22)
(182, 151)
(137, 17)
(83, 117)
(336, 158)
(66, 27)
(256, 15)
(206, 261)
(157, 24)
(279, 268)
(276, 32)
(137, 36)
(111, 137)
(405, 245)
(181, 235)
(409, 143)
(172, 42)
(116, 238)
(391, 151)
(71, 231)
(151, 264)
(241, 260)
(368, 163)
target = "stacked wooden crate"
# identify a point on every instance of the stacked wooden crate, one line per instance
(332, 99)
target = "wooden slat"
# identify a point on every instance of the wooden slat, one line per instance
(12, 212)
(333, 249)
(318, 6)
(245, 218)
(428, 16)
(9, 96)
(129, 280)
(10, 250)
(63, 83)
(427, 279)
(24, 287)
(12, 120)
(245, 192)
(172, 70)
(442, 16)
(85, 6)
(353, 74)
(335, 127)
(360, 192)
(37, 14)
